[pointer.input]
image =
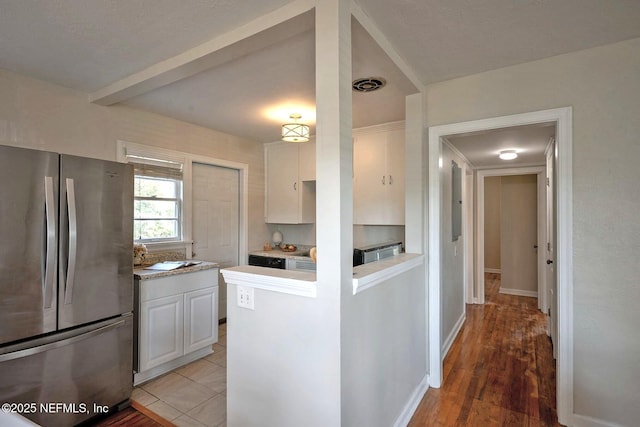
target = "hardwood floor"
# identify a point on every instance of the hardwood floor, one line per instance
(500, 369)
(134, 416)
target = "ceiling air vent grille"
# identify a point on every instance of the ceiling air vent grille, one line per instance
(368, 84)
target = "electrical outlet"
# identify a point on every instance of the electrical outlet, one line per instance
(245, 297)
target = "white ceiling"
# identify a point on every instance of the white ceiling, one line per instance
(89, 45)
(481, 149)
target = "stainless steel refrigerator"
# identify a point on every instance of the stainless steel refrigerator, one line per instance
(66, 285)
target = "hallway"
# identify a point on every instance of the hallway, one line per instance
(499, 371)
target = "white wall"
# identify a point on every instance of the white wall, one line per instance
(278, 369)
(603, 86)
(384, 349)
(452, 254)
(39, 115)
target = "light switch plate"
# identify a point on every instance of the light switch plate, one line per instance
(245, 297)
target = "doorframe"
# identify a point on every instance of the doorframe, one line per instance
(541, 221)
(564, 220)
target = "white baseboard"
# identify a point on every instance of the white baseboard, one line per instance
(493, 270)
(584, 421)
(452, 336)
(412, 404)
(519, 292)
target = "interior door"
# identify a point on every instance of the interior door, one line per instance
(28, 247)
(216, 213)
(550, 250)
(96, 240)
(519, 235)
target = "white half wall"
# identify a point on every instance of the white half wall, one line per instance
(384, 350)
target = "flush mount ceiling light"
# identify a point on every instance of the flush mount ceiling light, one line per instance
(368, 84)
(295, 132)
(508, 154)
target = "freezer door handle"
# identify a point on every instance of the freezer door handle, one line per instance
(50, 254)
(19, 354)
(73, 241)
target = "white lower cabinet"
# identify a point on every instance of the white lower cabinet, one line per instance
(161, 331)
(177, 321)
(200, 305)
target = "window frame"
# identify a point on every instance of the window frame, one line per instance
(179, 201)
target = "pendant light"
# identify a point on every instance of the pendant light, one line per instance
(295, 132)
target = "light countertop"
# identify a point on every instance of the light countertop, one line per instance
(301, 253)
(304, 283)
(141, 274)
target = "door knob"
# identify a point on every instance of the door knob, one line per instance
(549, 261)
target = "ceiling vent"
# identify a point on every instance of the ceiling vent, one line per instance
(368, 84)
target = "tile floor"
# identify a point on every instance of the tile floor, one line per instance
(193, 395)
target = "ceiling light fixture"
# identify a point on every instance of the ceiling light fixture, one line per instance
(295, 132)
(508, 154)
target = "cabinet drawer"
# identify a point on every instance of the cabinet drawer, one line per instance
(177, 284)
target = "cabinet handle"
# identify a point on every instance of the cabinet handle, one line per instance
(383, 179)
(295, 184)
(390, 180)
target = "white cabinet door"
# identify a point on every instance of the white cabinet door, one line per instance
(378, 170)
(395, 178)
(370, 178)
(290, 188)
(307, 161)
(282, 183)
(200, 321)
(161, 331)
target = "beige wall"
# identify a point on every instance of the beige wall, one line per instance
(36, 114)
(519, 233)
(603, 87)
(492, 223)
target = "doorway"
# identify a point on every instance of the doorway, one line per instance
(522, 250)
(216, 220)
(562, 117)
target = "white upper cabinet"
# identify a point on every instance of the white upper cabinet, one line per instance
(378, 175)
(290, 183)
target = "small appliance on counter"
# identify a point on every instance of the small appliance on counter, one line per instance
(297, 258)
(376, 252)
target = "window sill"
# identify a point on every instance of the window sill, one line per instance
(161, 246)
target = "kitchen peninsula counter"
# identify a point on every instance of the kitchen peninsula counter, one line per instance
(305, 283)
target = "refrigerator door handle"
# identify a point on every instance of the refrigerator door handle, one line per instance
(73, 241)
(50, 254)
(19, 354)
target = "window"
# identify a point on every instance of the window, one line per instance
(157, 201)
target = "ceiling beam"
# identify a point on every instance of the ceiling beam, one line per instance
(281, 24)
(377, 35)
